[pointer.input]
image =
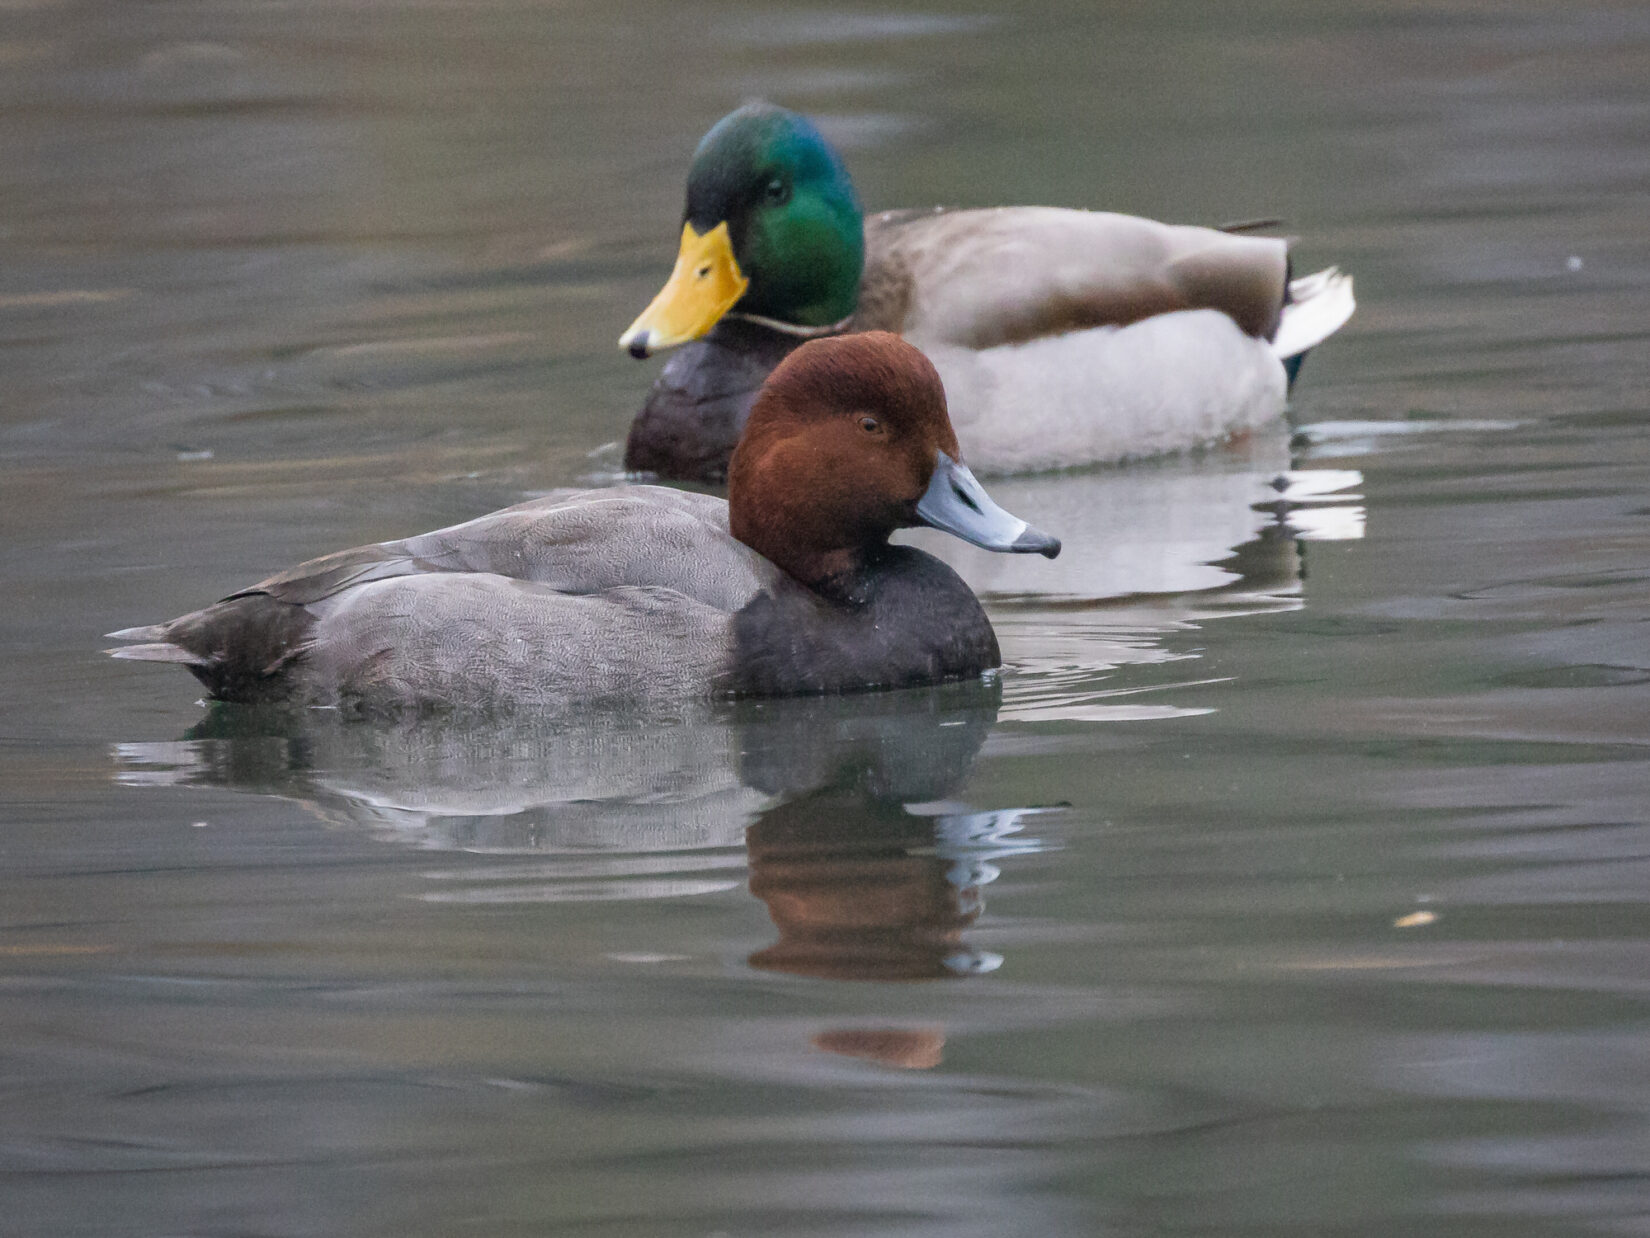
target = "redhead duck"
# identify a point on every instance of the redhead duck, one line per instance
(1064, 337)
(644, 593)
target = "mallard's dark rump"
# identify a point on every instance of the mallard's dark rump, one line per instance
(697, 407)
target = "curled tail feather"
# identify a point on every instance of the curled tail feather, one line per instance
(1318, 306)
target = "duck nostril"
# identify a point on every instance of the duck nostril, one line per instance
(703, 271)
(966, 499)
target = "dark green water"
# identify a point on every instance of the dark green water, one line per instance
(1294, 880)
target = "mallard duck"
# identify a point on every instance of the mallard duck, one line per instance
(1064, 337)
(645, 593)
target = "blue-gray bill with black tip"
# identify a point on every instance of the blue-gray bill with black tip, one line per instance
(956, 502)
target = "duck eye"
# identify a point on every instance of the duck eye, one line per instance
(869, 424)
(778, 192)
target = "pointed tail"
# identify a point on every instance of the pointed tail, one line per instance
(156, 653)
(157, 648)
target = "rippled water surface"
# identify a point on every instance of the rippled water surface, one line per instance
(1292, 879)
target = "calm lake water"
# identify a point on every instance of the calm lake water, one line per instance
(1294, 879)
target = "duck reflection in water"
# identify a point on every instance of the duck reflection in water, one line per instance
(866, 872)
(835, 803)
(862, 888)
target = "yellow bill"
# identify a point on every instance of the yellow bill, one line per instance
(705, 285)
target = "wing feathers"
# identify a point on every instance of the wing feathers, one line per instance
(977, 279)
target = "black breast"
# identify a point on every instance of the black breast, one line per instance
(912, 621)
(698, 405)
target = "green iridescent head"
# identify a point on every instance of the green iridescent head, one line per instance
(772, 228)
(795, 222)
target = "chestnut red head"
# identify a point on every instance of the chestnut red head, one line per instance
(848, 440)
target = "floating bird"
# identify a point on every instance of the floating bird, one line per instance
(1063, 337)
(648, 594)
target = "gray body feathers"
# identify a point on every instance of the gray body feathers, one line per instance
(634, 595)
